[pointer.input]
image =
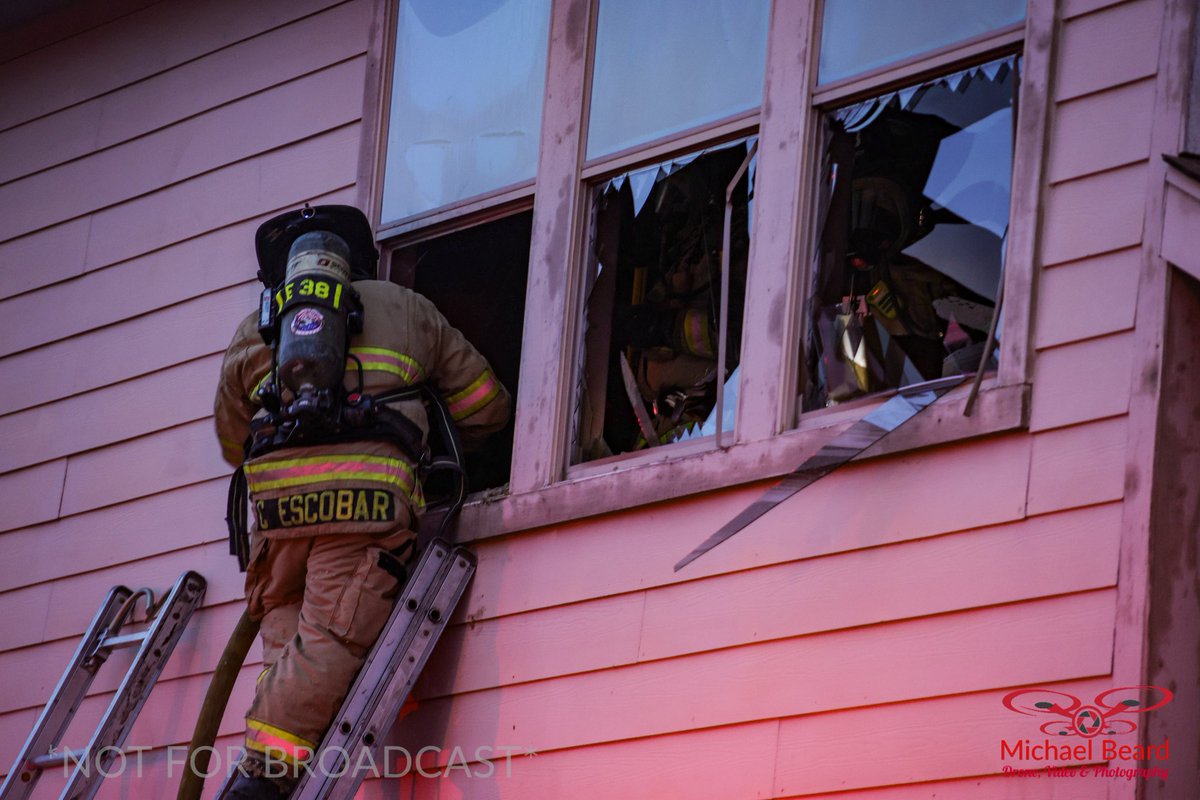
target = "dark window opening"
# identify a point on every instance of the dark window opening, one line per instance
(476, 277)
(649, 373)
(914, 197)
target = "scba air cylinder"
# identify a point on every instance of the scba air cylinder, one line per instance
(315, 300)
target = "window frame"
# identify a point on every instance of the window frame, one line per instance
(544, 489)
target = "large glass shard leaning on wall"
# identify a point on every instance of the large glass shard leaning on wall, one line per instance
(651, 332)
(860, 35)
(666, 66)
(466, 108)
(914, 205)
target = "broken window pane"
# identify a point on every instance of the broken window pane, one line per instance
(466, 108)
(666, 66)
(858, 35)
(476, 277)
(914, 203)
(652, 330)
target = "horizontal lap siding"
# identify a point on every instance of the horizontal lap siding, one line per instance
(206, 263)
(901, 595)
(867, 629)
(140, 157)
(1046, 640)
(116, 55)
(162, 100)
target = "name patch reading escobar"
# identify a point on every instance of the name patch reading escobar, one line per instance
(330, 505)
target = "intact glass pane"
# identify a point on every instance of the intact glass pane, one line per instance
(669, 65)
(466, 100)
(858, 35)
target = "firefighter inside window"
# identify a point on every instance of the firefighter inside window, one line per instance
(649, 376)
(915, 196)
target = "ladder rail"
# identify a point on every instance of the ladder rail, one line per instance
(389, 675)
(369, 736)
(157, 643)
(65, 700)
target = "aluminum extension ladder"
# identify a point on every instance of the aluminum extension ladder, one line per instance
(387, 676)
(102, 638)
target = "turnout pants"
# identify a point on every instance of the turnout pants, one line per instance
(322, 602)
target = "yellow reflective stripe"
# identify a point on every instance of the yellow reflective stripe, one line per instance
(319, 469)
(304, 480)
(481, 392)
(406, 366)
(271, 740)
(258, 725)
(337, 458)
(696, 335)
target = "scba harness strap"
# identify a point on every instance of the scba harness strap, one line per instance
(388, 425)
(308, 313)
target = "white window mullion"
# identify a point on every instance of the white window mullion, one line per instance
(769, 361)
(550, 304)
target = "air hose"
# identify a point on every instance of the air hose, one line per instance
(207, 724)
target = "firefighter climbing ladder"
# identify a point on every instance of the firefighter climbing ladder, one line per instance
(387, 676)
(155, 644)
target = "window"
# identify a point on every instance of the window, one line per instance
(466, 101)
(664, 271)
(669, 65)
(476, 278)
(463, 130)
(913, 196)
(751, 218)
(913, 213)
(664, 303)
(860, 35)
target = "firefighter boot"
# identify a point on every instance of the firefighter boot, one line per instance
(252, 783)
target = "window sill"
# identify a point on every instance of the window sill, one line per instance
(676, 474)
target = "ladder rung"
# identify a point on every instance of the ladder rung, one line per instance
(56, 759)
(123, 640)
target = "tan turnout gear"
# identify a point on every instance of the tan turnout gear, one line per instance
(322, 576)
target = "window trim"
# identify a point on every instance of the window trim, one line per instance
(671, 476)
(765, 443)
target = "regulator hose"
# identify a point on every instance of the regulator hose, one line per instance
(215, 701)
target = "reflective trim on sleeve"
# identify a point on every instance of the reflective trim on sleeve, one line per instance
(482, 391)
(696, 335)
(380, 359)
(286, 473)
(278, 743)
(231, 448)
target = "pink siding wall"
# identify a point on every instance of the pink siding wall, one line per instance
(861, 635)
(855, 641)
(131, 184)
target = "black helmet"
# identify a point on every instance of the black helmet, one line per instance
(275, 236)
